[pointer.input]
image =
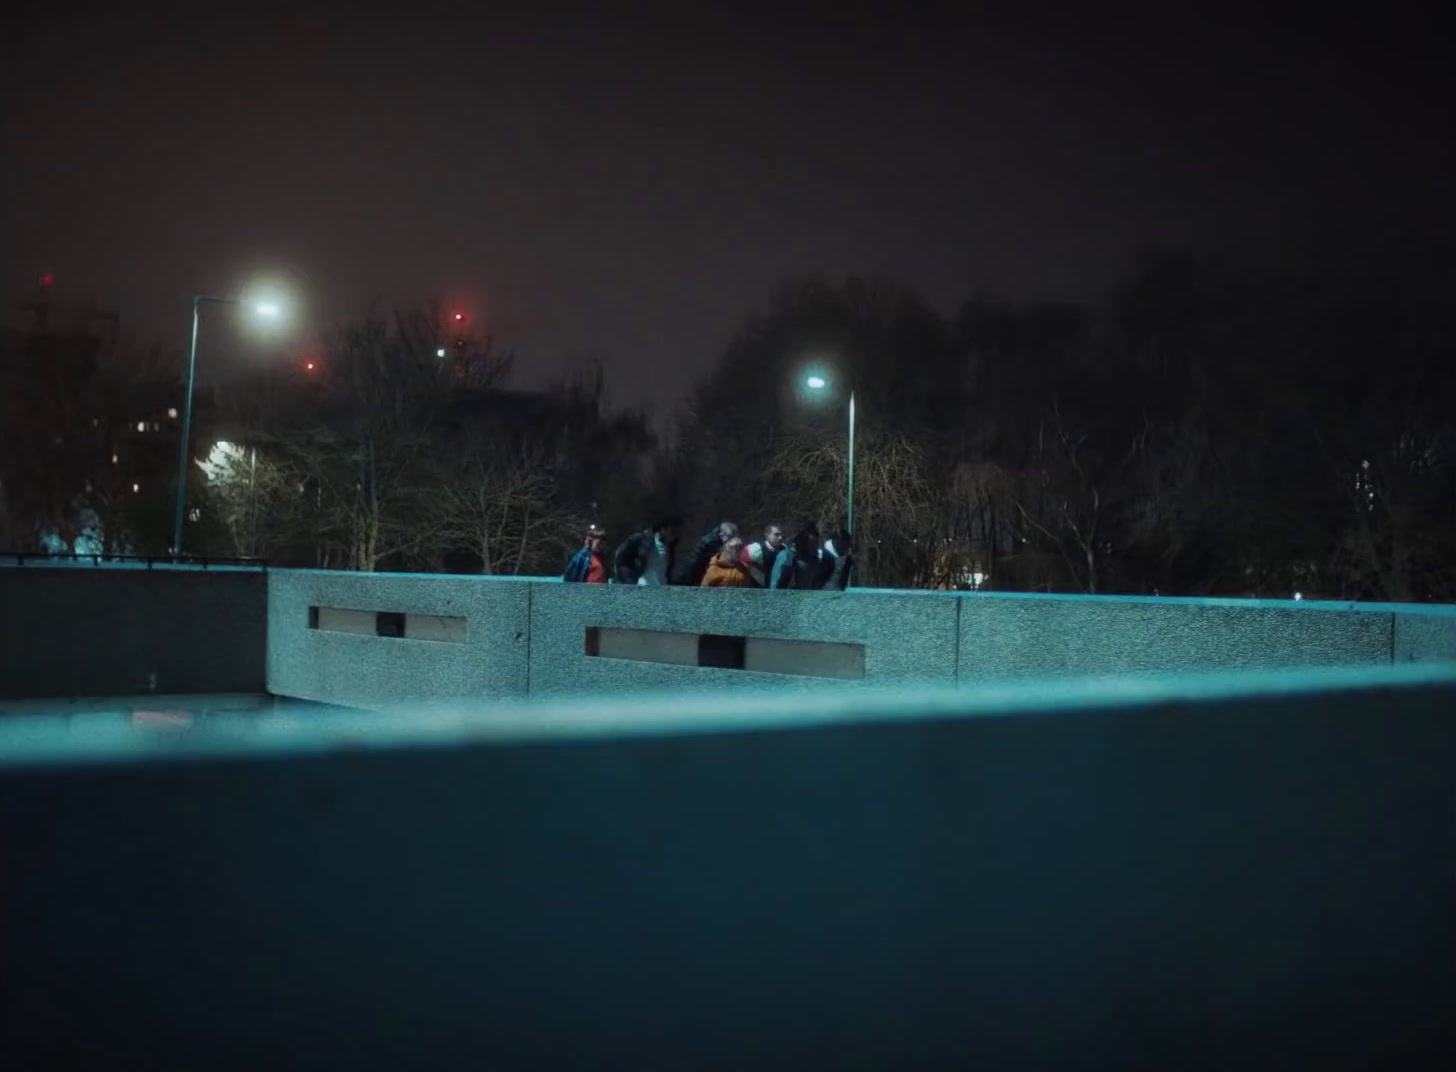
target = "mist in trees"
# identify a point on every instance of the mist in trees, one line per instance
(377, 453)
(388, 456)
(87, 449)
(1200, 429)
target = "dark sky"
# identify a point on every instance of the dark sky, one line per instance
(631, 186)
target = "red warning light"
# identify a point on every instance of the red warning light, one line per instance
(459, 317)
(308, 365)
(46, 280)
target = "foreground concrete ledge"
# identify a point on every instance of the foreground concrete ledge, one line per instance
(44, 741)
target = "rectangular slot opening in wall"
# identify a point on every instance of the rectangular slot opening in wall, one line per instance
(386, 623)
(342, 620)
(766, 655)
(643, 645)
(805, 658)
(722, 652)
(446, 628)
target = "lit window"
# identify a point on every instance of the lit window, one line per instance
(194, 514)
(156, 426)
(136, 488)
(172, 413)
(114, 459)
(141, 426)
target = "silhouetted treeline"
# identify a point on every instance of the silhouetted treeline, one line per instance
(1199, 430)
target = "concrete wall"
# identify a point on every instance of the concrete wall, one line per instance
(533, 636)
(488, 658)
(1424, 635)
(87, 631)
(1009, 634)
(905, 637)
(1251, 872)
(77, 631)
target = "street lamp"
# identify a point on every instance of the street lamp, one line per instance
(816, 382)
(264, 310)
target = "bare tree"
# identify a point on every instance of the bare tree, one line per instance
(499, 501)
(1079, 491)
(363, 446)
(895, 504)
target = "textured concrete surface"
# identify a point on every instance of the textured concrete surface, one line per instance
(1427, 635)
(76, 631)
(904, 637)
(373, 671)
(1133, 875)
(101, 631)
(1020, 635)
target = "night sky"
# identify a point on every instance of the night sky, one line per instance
(631, 186)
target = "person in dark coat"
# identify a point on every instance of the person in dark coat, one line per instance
(801, 563)
(586, 566)
(704, 551)
(647, 556)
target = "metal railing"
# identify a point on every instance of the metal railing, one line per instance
(22, 558)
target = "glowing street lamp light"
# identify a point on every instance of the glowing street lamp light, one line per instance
(816, 382)
(263, 310)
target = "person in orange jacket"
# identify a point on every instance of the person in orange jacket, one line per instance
(727, 570)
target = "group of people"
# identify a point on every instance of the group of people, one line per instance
(720, 559)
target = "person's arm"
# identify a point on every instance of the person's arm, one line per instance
(694, 566)
(779, 577)
(576, 568)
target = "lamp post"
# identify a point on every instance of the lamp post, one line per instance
(266, 310)
(816, 382)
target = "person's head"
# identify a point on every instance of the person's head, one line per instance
(667, 528)
(773, 536)
(595, 534)
(727, 530)
(732, 549)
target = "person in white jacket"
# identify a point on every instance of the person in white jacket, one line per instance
(759, 556)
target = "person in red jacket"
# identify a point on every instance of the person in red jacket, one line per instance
(587, 565)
